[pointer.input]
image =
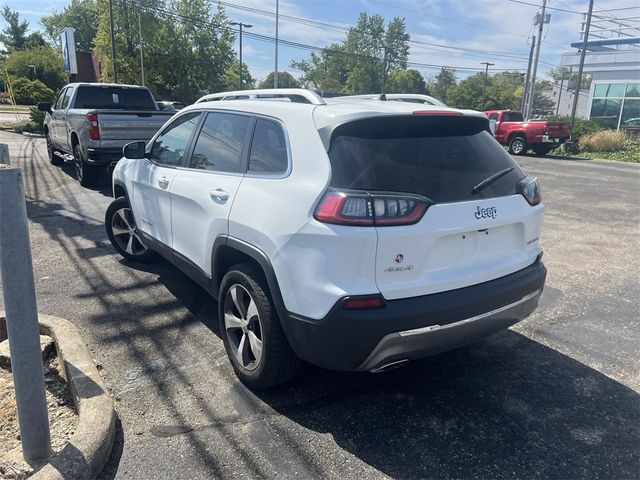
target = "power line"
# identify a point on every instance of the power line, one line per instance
(302, 46)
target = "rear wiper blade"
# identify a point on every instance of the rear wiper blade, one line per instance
(489, 180)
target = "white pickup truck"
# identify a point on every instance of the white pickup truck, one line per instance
(89, 123)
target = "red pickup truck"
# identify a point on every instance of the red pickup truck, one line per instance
(541, 136)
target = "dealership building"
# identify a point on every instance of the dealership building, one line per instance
(613, 60)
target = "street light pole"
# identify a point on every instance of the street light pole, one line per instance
(486, 79)
(141, 51)
(241, 25)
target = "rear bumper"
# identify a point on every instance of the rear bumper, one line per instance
(412, 328)
(103, 156)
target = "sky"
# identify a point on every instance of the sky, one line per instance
(456, 33)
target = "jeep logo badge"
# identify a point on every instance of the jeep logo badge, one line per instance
(490, 212)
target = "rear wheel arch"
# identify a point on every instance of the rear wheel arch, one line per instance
(228, 251)
(517, 134)
(74, 140)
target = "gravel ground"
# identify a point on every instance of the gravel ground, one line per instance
(62, 414)
(554, 397)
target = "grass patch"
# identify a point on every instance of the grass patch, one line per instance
(630, 152)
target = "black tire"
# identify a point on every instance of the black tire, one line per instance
(277, 362)
(113, 220)
(86, 174)
(542, 150)
(517, 145)
(51, 152)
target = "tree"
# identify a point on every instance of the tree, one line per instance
(542, 105)
(500, 91)
(362, 63)
(186, 54)
(14, 35)
(30, 92)
(47, 63)
(82, 15)
(232, 79)
(285, 80)
(444, 81)
(406, 81)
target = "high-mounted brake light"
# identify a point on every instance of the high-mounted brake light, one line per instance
(94, 129)
(358, 208)
(437, 112)
(528, 187)
(363, 303)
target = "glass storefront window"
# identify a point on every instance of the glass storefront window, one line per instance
(633, 90)
(630, 113)
(609, 90)
(606, 111)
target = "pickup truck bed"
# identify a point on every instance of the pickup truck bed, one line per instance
(89, 123)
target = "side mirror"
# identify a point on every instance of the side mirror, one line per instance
(134, 150)
(44, 107)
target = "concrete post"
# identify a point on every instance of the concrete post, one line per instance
(22, 316)
(4, 154)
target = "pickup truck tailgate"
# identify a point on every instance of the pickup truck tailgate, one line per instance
(119, 128)
(559, 129)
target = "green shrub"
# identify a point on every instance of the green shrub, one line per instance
(27, 126)
(582, 127)
(36, 116)
(604, 141)
(30, 92)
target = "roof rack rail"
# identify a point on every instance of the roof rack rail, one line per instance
(385, 97)
(296, 95)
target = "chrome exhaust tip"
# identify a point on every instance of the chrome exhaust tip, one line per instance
(390, 366)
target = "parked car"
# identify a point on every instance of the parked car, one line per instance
(169, 105)
(352, 235)
(89, 123)
(396, 97)
(541, 136)
(631, 125)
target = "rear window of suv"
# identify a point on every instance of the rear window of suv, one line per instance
(439, 157)
(118, 98)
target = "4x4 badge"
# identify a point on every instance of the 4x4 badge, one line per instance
(486, 213)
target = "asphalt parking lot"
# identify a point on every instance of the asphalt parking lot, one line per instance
(557, 396)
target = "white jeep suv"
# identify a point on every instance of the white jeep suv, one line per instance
(352, 235)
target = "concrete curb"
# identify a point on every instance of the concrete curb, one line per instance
(87, 451)
(33, 135)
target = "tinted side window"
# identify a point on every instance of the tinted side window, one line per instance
(268, 149)
(67, 98)
(220, 142)
(170, 146)
(493, 116)
(512, 117)
(58, 103)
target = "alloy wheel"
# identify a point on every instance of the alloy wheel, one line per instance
(243, 327)
(517, 145)
(125, 232)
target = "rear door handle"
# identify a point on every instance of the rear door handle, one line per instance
(219, 195)
(163, 183)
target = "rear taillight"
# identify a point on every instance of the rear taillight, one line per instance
(370, 208)
(94, 130)
(528, 187)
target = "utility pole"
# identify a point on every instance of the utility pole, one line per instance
(541, 19)
(241, 25)
(275, 71)
(526, 81)
(113, 43)
(141, 54)
(580, 68)
(486, 79)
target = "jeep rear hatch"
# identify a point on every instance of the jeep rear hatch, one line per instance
(441, 193)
